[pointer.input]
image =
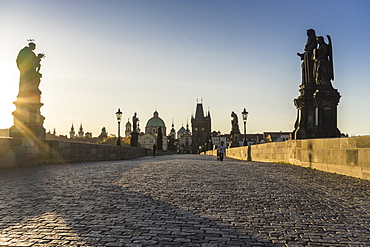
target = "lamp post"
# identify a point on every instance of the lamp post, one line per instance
(119, 116)
(245, 116)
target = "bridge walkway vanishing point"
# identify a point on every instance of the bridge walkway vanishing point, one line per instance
(181, 200)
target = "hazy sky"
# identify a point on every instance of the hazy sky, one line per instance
(147, 55)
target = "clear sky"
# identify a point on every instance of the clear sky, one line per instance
(163, 55)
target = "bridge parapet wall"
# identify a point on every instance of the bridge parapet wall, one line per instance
(27, 152)
(348, 156)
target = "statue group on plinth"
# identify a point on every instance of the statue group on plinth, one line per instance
(28, 121)
(318, 100)
(135, 131)
(235, 131)
(29, 66)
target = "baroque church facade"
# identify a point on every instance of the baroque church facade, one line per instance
(150, 136)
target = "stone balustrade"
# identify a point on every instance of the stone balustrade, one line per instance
(347, 156)
(26, 152)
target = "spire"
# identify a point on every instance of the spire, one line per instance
(199, 113)
(72, 132)
(81, 131)
(173, 127)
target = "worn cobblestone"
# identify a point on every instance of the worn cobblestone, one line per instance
(187, 200)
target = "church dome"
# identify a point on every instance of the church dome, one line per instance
(155, 121)
(128, 123)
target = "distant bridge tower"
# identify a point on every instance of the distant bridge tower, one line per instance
(201, 130)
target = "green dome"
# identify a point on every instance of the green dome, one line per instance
(155, 121)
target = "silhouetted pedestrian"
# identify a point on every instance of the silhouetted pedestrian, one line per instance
(221, 149)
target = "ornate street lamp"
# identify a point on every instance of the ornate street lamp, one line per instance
(119, 116)
(245, 116)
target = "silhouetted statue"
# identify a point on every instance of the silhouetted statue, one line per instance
(29, 66)
(160, 139)
(323, 63)
(235, 131)
(318, 100)
(103, 134)
(307, 64)
(28, 121)
(135, 120)
(154, 149)
(234, 121)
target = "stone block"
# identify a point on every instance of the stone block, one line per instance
(352, 157)
(362, 141)
(347, 143)
(53, 144)
(364, 158)
(332, 143)
(366, 173)
(28, 142)
(4, 142)
(317, 144)
(298, 143)
(340, 156)
(320, 155)
(16, 142)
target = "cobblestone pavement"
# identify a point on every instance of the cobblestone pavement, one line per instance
(181, 200)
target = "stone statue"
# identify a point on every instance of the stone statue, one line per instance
(103, 133)
(234, 121)
(318, 100)
(28, 121)
(323, 63)
(160, 139)
(135, 120)
(29, 66)
(307, 64)
(235, 132)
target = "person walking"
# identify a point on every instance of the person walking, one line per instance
(221, 150)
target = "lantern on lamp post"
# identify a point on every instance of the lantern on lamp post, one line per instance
(119, 117)
(245, 116)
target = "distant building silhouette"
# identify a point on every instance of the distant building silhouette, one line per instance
(128, 128)
(172, 133)
(171, 139)
(184, 140)
(150, 136)
(201, 130)
(153, 124)
(72, 133)
(81, 132)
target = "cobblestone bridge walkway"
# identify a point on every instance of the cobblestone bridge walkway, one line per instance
(181, 200)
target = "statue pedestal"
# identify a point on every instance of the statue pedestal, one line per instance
(134, 139)
(28, 121)
(326, 113)
(234, 138)
(316, 113)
